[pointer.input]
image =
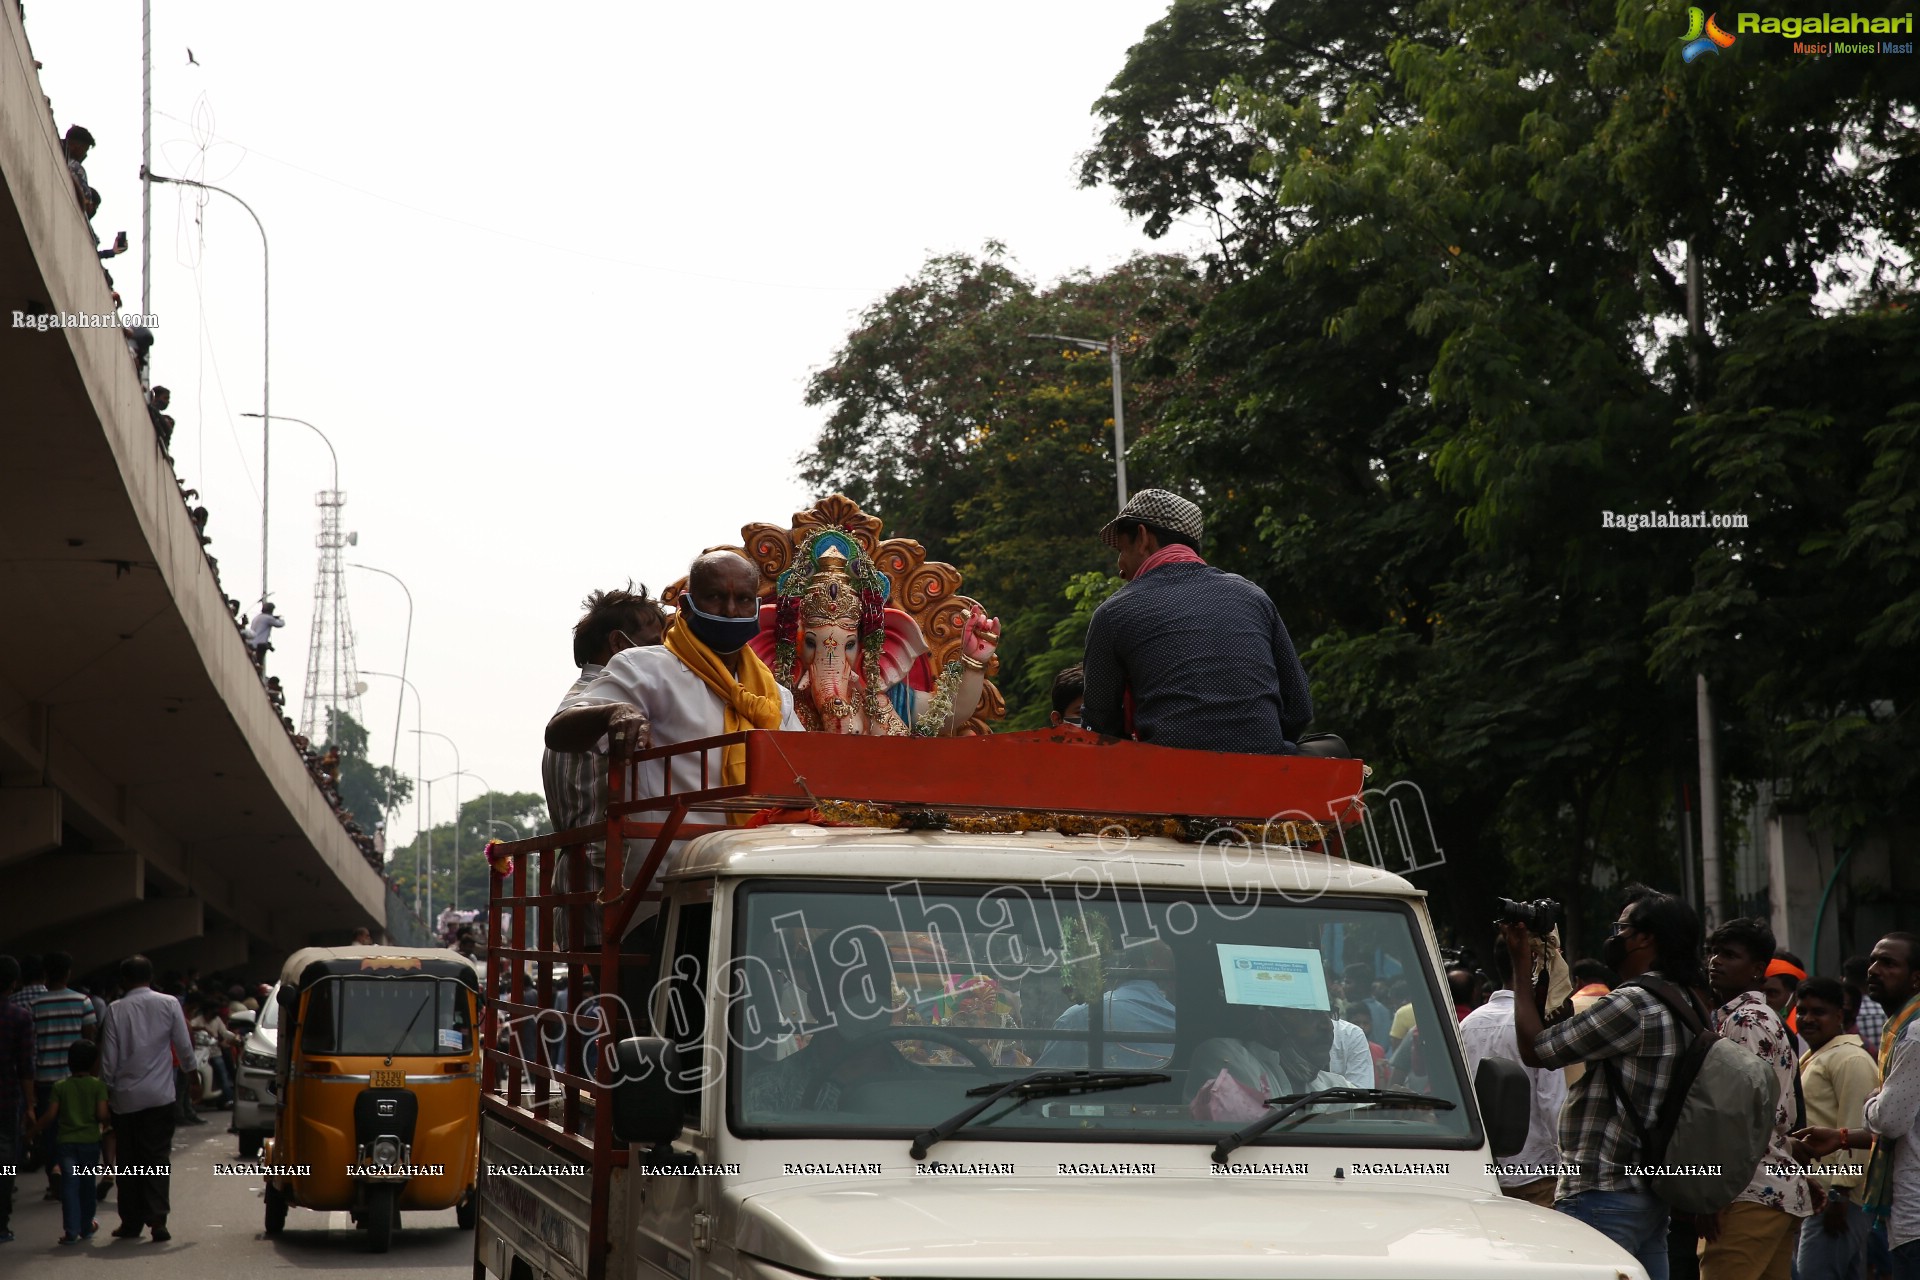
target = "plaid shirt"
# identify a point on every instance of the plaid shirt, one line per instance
(1870, 1024)
(1630, 1024)
(16, 1061)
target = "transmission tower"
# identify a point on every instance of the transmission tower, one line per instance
(333, 677)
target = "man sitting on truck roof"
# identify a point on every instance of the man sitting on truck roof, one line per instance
(1187, 655)
(699, 682)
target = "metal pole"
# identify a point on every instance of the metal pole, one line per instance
(428, 917)
(266, 351)
(146, 157)
(1709, 805)
(1119, 425)
(405, 649)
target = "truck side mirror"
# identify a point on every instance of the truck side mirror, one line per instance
(1505, 1096)
(647, 1109)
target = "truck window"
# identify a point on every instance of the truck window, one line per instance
(874, 1011)
(683, 1017)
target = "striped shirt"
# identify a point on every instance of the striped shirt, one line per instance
(576, 781)
(59, 1018)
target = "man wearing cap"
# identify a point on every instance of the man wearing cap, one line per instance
(1187, 655)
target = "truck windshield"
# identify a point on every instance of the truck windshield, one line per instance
(377, 1016)
(873, 1012)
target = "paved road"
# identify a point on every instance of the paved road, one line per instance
(216, 1225)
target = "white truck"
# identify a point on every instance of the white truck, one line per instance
(871, 1051)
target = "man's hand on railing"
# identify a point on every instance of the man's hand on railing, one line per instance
(627, 732)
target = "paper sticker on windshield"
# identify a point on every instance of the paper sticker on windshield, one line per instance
(452, 1038)
(1277, 977)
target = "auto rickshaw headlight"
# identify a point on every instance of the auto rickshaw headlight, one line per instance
(385, 1153)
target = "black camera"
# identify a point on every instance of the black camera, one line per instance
(1541, 916)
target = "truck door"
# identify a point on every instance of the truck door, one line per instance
(674, 1212)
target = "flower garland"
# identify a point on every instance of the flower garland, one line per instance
(1191, 830)
(933, 721)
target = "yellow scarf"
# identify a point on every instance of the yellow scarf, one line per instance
(752, 700)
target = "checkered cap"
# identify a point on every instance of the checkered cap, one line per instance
(1160, 509)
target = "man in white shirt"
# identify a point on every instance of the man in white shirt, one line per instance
(701, 681)
(260, 632)
(1487, 1032)
(576, 781)
(144, 1036)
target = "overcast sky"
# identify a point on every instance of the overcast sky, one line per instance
(552, 278)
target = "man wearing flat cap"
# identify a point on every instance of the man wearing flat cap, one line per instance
(1187, 655)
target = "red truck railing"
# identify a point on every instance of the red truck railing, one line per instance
(558, 1087)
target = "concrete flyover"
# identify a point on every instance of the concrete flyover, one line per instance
(149, 797)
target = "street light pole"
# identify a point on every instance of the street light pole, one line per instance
(266, 349)
(458, 769)
(456, 831)
(1112, 347)
(338, 639)
(405, 650)
(418, 772)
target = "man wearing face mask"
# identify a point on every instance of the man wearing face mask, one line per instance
(699, 682)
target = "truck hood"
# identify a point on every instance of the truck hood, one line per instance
(1171, 1228)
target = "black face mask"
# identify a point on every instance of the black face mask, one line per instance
(717, 631)
(1613, 952)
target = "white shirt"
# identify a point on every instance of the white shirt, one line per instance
(1488, 1032)
(262, 627)
(679, 708)
(144, 1032)
(1894, 1111)
(1351, 1056)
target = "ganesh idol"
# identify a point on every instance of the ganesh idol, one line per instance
(854, 664)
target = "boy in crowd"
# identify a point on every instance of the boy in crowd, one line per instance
(78, 1110)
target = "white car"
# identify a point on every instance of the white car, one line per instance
(254, 1106)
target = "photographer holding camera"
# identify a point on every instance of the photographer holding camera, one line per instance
(1638, 1039)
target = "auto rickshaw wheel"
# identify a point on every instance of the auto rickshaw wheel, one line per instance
(276, 1210)
(467, 1210)
(379, 1217)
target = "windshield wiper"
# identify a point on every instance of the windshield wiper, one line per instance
(1294, 1103)
(1037, 1084)
(409, 1031)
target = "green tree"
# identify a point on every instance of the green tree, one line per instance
(367, 790)
(497, 815)
(994, 449)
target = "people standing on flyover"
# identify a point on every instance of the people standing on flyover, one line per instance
(1187, 655)
(78, 143)
(260, 634)
(16, 1086)
(576, 781)
(145, 1034)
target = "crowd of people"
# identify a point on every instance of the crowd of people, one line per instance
(1604, 1064)
(97, 1078)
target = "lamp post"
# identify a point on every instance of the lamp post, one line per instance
(458, 771)
(405, 650)
(266, 347)
(456, 831)
(1112, 347)
(406, 684)
(428, 877)
(338, 639)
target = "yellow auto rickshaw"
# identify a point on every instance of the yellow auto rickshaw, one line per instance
(377, 1087)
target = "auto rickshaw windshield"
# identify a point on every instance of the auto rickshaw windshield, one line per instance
(406, 1017)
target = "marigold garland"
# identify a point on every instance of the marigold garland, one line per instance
(855, 813)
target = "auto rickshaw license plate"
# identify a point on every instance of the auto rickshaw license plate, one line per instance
(389, 1079)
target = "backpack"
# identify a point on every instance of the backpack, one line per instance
(1715, 1120)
